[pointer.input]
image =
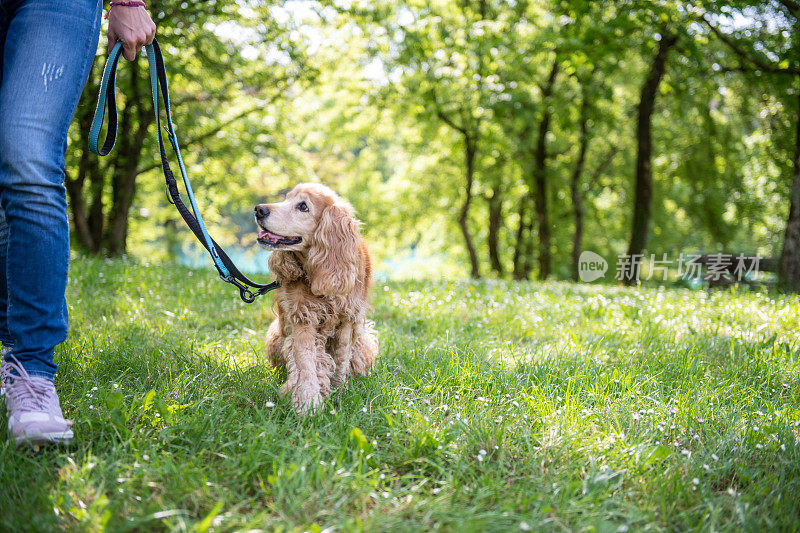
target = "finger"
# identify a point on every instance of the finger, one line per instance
(141, 39)
(129, 50)
(151, 34)
(112, 40)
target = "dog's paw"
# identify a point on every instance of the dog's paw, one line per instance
(340, 377)
(306, 403)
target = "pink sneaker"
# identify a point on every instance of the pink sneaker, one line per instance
(34, 412)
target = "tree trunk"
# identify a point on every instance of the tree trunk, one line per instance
(520, 247)
(540, 177)
(789, 269)
(123, 182)
(575, 185)
(96, 218)
(469, 156)
(74, 183)
(495, 221)
(74, 188)
(644, 172)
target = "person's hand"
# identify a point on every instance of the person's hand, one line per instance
(131, 25)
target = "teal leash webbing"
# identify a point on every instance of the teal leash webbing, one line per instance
(248, 290)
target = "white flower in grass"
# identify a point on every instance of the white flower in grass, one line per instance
(715, 457)
(695, 481)
(706, 467)
(686, 452)
(783, 447)
(759, 446)
(524, 526)
(363, 409)
(481, 452)
(269, 405)
(635, 416)
(480, 458)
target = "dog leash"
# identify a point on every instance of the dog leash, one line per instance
(248, 289)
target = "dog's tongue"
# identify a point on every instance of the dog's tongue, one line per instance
(269, 236)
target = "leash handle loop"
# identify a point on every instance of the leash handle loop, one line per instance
(248, 290)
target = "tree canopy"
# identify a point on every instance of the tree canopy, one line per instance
(476, 137)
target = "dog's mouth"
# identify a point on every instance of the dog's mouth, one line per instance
(267, 238)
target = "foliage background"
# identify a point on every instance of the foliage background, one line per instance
(364, 96)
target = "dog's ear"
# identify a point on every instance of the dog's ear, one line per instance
(332, 264)
(285, 266)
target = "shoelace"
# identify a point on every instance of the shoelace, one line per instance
(34, 394)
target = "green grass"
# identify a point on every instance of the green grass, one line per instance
(494, 406)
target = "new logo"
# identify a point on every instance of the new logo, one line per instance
(591, 266)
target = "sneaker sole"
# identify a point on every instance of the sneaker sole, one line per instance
(41, 439)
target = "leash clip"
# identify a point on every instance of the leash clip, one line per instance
(245, 293)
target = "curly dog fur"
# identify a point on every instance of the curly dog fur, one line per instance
(321, 333)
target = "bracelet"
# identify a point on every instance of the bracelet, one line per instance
(124, 3)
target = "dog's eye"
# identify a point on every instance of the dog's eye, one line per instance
(302, 207)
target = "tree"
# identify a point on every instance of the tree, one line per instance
(787, 65)
(642, 199)
(102, 192)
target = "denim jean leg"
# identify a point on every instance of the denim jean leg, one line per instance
(48, 50)
(5, 335)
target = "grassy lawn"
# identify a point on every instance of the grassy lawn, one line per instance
(494, 406)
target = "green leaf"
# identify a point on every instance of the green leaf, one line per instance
(360, 440)
(147, 401)
(657, 453)
(206, 523)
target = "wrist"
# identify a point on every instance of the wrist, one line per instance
(124, 3)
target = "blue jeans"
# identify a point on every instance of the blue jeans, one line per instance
(46, 52)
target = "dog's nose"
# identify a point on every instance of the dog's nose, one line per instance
(262, 211)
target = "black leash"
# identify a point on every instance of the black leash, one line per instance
(228, 272)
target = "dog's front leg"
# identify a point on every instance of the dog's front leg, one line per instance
(302, 354)
(342, 353)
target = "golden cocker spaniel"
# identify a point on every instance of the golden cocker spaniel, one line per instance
(321, 333)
